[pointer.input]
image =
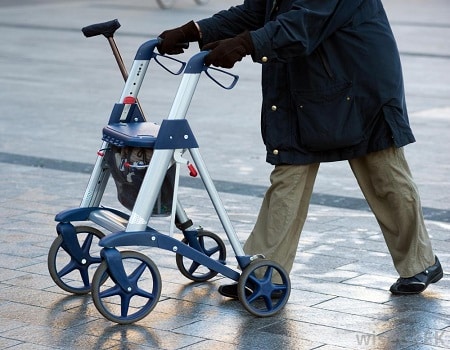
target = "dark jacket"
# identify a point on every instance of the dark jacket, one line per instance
(332, 81)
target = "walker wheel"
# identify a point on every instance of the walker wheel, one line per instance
(127, 306)
(256, 291)
(210, 245)
(68, 274)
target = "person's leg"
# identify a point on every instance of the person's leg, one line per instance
(281, 218)
(283, 213)
(386, 182)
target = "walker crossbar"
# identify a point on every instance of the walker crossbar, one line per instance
(153, 238)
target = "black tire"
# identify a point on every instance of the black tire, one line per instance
(212, 246)
(125, 307)
(68, 274)
(256, 291)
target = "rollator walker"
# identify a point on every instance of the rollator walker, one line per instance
(126, 284)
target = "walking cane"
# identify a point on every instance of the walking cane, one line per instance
(107, 29)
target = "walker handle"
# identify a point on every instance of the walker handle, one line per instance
(105, 28)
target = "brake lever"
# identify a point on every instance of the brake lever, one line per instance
(177, 72)
(206, 69)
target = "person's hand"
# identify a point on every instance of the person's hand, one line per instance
(225, 53)
(173, 39)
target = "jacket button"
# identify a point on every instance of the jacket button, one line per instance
(264, 59)
(275, 152)
(274, 108)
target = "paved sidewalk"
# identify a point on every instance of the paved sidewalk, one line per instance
(58, 90)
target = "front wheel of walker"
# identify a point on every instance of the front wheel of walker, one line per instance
(70, 273)
(258, 293)
(126, 306)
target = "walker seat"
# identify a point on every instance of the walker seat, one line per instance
(141, 134)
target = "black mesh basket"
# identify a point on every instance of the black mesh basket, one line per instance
(128, 166)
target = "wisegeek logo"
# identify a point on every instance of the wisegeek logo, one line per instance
(436, 338)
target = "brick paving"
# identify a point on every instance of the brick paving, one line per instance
(58, 90)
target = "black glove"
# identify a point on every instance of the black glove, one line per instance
(174, 38)
(225, 53)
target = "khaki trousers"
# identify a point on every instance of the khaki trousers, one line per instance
(386, 182)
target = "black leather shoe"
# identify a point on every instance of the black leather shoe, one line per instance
(230, 291)
(418, 283)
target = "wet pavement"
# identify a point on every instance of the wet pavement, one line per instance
(58, 89)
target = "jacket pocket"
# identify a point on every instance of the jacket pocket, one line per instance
(328, 118)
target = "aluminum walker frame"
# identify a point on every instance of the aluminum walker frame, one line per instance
(126, 285)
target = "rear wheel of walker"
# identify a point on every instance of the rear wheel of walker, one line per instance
(68, 273)
(256, 291)
(123, 306)
(212, 246)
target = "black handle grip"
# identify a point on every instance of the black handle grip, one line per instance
(106, 28)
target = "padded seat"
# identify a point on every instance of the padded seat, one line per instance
(141, 134)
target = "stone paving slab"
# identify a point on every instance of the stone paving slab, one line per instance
(58, 90)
